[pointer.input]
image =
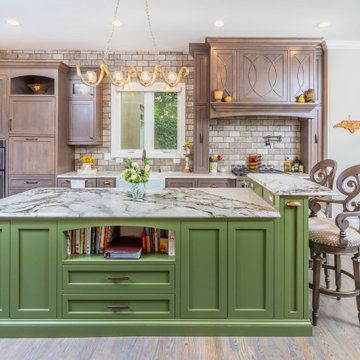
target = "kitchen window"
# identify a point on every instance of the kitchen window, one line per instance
(151, 119)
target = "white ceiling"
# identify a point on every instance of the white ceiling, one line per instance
(85, 24)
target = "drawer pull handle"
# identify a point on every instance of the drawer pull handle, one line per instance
(293, 204)
(118, 278)
(106, 182)
(118, 307)
(67, 180)
(213, 186)
(32, 182)
(10, 124)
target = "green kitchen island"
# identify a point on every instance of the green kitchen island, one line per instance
(240, 264)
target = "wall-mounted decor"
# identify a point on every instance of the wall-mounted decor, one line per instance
(351, 125)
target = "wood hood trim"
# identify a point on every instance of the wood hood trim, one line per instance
(300, 110)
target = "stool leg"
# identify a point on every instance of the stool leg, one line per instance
(356, 265)
(338, 273)
(317, 260)
(326, 271)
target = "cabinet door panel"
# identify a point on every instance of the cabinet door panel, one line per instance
(223, 70)
(82, 122)
(302, 69)
(32, 116)
(294, 227)
(33, 270)
(204, 270)
(251, 270)
(31, 156)
(4, 269)
(201, 142)
(263, 75)
(3, 105)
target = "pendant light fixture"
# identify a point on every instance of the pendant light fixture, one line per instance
(117, 78)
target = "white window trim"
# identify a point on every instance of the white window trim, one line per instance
(117, 152)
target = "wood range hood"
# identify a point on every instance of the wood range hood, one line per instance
(264, 76)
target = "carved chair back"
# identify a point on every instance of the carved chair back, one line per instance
(323, 173)
(348, 184)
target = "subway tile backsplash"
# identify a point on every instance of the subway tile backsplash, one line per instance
(233, 138)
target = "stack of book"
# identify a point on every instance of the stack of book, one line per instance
(96, 240)
(89, 241)
(158, 240)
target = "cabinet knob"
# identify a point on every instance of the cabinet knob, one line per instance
(213, 186)
(118, 278)
(106, 182)
(118, 307)
(293, 204)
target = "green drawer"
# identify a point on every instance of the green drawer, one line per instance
(124, 306)
(119, 277)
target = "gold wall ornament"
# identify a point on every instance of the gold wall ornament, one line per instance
(351, 125)
(117, 78)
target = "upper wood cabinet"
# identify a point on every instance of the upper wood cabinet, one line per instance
(223, 65)
(30, 115)
(302, 72)
(263, 75)
(84, 113)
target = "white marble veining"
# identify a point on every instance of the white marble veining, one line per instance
(117, 203)
(154, 175)
(285, 184)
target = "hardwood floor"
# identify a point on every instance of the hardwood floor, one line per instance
(337, 336)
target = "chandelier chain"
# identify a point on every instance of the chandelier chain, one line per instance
(112, 30)
(149, 24)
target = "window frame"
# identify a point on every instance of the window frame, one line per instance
(116, 92)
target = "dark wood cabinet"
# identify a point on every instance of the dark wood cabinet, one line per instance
(302, 72)
(3, 105)
(263, 75)
(89, 182)
(36, 124)
(31, 155)
(84, 113)
(201, 138)
(200, 182)
(223, 65)
(180, 183)
(30, 115)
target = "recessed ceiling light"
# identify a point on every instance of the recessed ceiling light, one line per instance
(323, 24)
(219, 23)
(117, 23)
(13, 22)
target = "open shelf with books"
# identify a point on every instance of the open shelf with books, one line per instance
(109, 243)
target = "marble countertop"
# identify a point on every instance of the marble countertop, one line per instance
(285, 184)
(153, 175)
(117, 203)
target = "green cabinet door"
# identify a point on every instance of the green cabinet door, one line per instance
(4, 268)
(204, 269)
(33, 270)
(251, 269)
(294, 224)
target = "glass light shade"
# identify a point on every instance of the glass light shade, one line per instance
(171, 76)
(145, 76)
(91, 77)
(118, 76)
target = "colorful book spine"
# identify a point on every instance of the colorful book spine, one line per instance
(98, 237)
(171, 243)
(93, 231)
(68, 242)
(77, 244)
(88, 241)
(156, 240)
(164, 246)
(102, 238)
(143, 242)
(147, 236)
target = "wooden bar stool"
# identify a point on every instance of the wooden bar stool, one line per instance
(323, 173)
(337, 237)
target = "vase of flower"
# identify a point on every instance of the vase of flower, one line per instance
(187, 154)
(214, 163)
(137, 176)
(86, 167)
(137, 190)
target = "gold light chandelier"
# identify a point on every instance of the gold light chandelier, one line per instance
(118, 78)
